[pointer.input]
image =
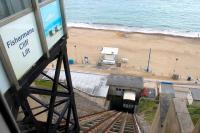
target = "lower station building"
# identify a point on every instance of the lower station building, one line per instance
(124, 91)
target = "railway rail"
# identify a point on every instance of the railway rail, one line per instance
(108, 122)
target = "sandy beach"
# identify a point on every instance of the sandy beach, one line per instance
(135, 47)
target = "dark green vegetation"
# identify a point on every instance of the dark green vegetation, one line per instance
(148, 109)
(194, 111)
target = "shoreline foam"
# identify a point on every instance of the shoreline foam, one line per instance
(133, 29)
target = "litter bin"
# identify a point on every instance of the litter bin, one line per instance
(71, 61)
(118, 64)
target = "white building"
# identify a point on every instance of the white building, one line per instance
(109, 55)
(124, 91)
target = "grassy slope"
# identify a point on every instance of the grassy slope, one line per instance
(194, 113)
(46, 84)
(148, 108)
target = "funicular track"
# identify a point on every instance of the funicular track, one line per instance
(108, 122)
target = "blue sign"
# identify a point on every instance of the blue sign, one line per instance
(52, 22)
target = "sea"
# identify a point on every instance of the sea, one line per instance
(173, 17)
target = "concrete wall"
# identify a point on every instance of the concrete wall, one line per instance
(183, 116)
(165, 100)
(197, 128)
(171, 124)
(178, 119)
(156, 126)
(99, 100)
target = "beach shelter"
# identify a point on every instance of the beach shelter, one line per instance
(109, 55)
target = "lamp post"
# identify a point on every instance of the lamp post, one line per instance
(75, 53)
(175, 65)
(149, 60)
